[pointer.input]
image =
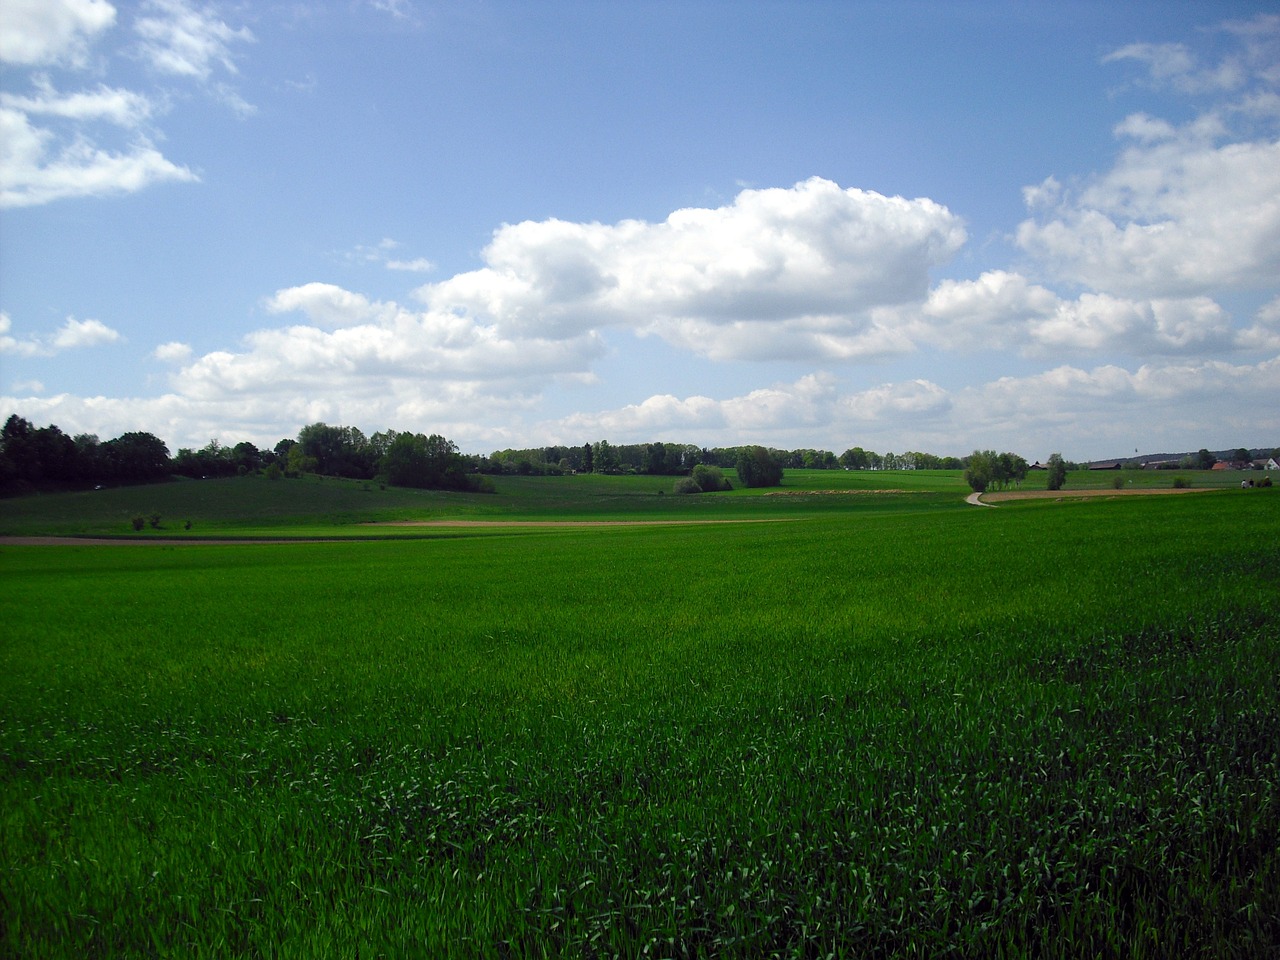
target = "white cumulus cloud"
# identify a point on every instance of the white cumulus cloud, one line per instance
(83, 333)
(73, 334)
(1004, 310)
(1187, 209)
(173, 352)
(798, 271)
(45, 32)
(1177, 216)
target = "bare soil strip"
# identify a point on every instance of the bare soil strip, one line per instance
(835, 493)
(225, 542)
(987, 499)
(571, 523)
(153, 542)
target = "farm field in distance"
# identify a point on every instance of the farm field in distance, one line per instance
(894, 725)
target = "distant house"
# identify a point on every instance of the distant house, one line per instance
(1160, 464)
(1107, 465)
(1233, 465)
(1038, 466)
(1268, 464)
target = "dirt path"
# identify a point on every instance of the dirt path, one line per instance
(474, 524)
(990, 499)
(571, 523)
(149, 542)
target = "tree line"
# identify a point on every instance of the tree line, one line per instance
(679, 459)
(33, 458)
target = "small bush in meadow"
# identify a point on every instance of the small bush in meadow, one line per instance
(710, 479)
(687, 485)
(138, 522)
(1181, 483)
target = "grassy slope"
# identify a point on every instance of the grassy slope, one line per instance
(314, 507)
(887, 728)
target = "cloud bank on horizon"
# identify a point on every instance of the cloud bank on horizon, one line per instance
(1134, 305)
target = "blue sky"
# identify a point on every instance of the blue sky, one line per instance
(904, 226)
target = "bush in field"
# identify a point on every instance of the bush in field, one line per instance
(138, 522)
(687, 485)
(710, 479)
(1118, 482)
(1181, 483)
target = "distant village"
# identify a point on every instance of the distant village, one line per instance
(1204, 460)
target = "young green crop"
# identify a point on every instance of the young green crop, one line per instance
(1044, 729)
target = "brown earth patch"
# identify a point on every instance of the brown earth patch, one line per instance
(1081, 494)
(140, 542)
(831, 493)
(568, 523)
(211, 542)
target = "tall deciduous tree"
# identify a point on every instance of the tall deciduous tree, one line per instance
(757, 467)
(980, 470)
(1057, 471)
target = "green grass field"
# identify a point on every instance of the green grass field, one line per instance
(894, 726)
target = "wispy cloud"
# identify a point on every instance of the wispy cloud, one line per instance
(59, 144)
(187, 41)
(73, 334)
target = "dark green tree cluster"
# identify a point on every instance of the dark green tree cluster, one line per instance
(855, 458)
(216, 460)
(415, 460)
(985, 469)
(757, 467)
(33, 458)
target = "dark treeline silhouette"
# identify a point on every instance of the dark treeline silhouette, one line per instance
(33, 458)
(44, 458)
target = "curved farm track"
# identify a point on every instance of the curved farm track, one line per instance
(991, 499)
(438, 524)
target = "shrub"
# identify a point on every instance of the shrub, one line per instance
(1118, 482)
(687, 485)
(138, 522)
(710, 479)
(1181, 483)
